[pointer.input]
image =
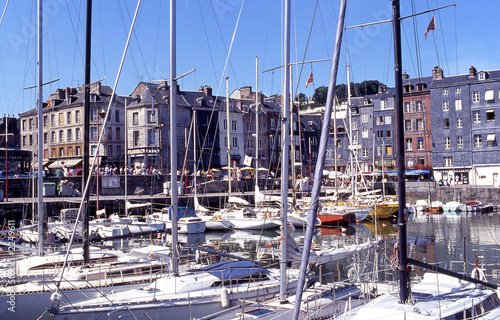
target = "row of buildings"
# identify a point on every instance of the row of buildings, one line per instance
(450, 129)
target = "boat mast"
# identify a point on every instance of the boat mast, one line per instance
(126, 159)
(353, 176)
(318, 175)
(173, 136)
(256, 125)
(285, 142)
(40, 128)
(398, 102)
(228, 139)
(86, 130)
(195, 167)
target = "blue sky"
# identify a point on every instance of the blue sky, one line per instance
(464, 36)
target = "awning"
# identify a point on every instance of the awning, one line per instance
(491, 137)
(72, 162)
(56, 164)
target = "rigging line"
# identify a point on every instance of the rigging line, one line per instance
(443, 39)
(102, 45)
(3, 14)
(157, 41)
(208, 42)
(408, 47)
(231, 44)
(190, 18)
(99, 141)
(307, 46)
(139, 47)
(134, 63)
(76, 33)
(416, 41)
(456, 38)
(266, 42)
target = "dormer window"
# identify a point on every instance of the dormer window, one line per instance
(482, 75)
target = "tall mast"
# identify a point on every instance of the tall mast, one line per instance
(285, 142)
(40, 126)
(318, 175)
(353, 176)
(256, 124)
(228, 139)
(173, 135)
(398, 101)
(86, 130)
(195, 167)
(126, 159)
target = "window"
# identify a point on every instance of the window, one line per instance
(409, 162)
(489, 95)
(476, 116)
(379, 151)
(53, 137)
(491, 140)
(364, 117)
(117, 115)
(380, 134)
(119, 150)
(383, 104)
(93, 149)
(448, 161)
(110, 151)
(388, 134)
(77, 116)
(459, 123)
(445, 92)
(364, 133)
(233, 125)
(235, 142)
(477, 141)
(68, 117)
(447, 143)
(475, 96)
(24, 141)
(52, 120)
(388, 120)
(420, 143)
(490, 115)
(260, 127)
(250, 143)
(70, 151)
(365, 153)
(460, 142)
(61, 119)
(407, 107)
(482, 75)
(78, 134)
(61, 152)
(420, 125)
(225, 124)
(260, 143)
(93, 133)
(69, 135)
(135, 118)
(78, 151)
(388, 150)
(409, 146)
(379, 120)
(249, 126)
(45, 137)
(61, 136)
(355, 139)
(408, 126)
(446, 105)
(118, 133)
(135, 138)
(45, 122)
(31, 140)
(420, 107)
(458, 90)
(151, 116)
(446, 124)
(151, 137)
(354, 125)
(458, 105)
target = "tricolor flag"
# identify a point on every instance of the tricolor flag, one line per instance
(432, 26)
(310, 79)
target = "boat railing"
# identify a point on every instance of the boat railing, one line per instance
(130, 314)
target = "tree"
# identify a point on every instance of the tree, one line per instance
(319, 95)
(301, 97)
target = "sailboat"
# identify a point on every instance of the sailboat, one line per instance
(441, 295)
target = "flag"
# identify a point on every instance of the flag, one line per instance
(432, 26)
(310, 79)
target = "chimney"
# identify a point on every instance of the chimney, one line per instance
(246, 92)
(207, 90)
(472, 72)
(406, 76)
(382, 87)
(437, 73)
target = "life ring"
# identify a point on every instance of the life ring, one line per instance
(268, 214)
(478, 274)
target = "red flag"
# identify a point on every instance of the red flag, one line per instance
(310, 79)
(432, 26)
